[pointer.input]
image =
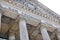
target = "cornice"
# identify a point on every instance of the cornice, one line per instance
(33, 14)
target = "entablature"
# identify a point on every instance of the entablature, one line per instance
(32, 16)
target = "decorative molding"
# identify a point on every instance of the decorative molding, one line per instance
(28, 12)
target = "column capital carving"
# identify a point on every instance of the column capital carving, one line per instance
(57, 30)
(21, 18)
(42, 25)
(48, 27)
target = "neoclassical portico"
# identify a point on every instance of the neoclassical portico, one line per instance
(21, 20)
(24, 31)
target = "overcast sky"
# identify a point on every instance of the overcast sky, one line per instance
(52, 4)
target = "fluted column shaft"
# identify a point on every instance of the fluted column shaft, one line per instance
(45, 34)
(23, 30)
(58, 33)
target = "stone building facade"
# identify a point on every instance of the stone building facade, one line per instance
(28, 20)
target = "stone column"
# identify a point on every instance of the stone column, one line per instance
(58, 36)
(0, 22)
(11, 36)
(23, 30)
(58, 33)
(45, 34)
